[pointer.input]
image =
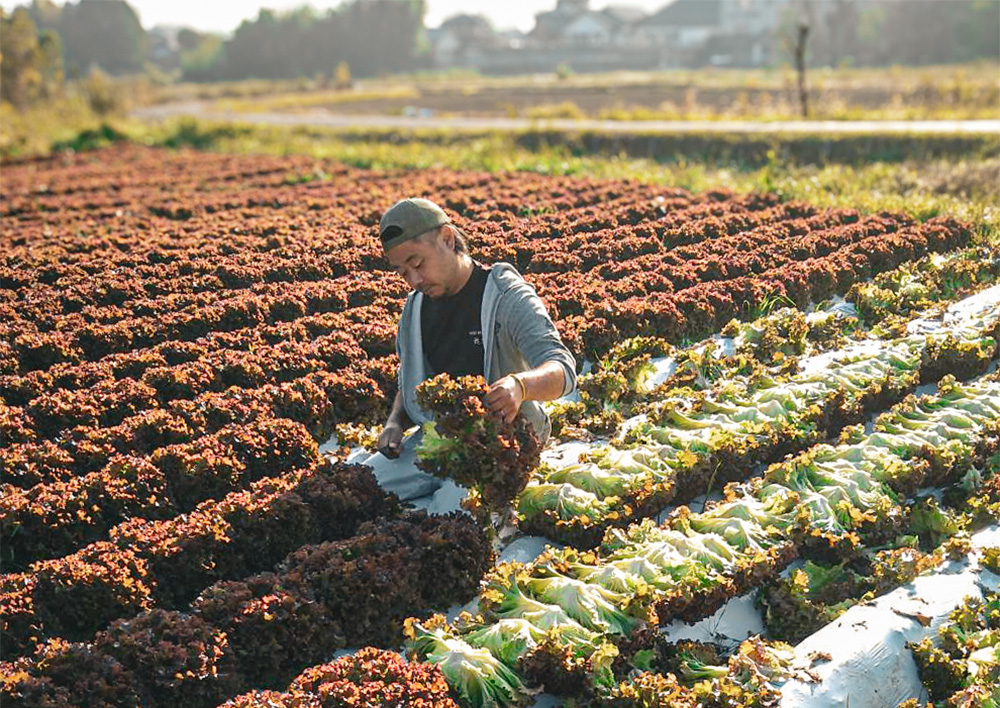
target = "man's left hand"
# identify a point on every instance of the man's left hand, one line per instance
(505, 398)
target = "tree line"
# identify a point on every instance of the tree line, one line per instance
(371, 36)
(906, 32)
(43, 43)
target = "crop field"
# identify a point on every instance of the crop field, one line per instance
(936, 92)
(196, 347)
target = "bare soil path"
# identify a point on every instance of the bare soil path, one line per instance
(432, 121)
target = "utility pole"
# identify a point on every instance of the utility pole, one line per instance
(800, 65)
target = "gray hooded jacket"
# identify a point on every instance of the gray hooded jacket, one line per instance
(518, 335)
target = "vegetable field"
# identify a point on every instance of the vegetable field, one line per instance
(194, 346)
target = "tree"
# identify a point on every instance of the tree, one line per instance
(199, 63)
(45, 13)
(342, 76)
(882, 32)
(840, 38)
(870, 26)
(371, 36)
(928, 32)
(188, 39)
(21, 77)
(51, 62)
(105, 33)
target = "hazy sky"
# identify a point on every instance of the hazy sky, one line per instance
(226, 15)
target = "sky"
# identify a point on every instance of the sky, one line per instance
(226, 15)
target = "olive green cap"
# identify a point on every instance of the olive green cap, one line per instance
(409, 218)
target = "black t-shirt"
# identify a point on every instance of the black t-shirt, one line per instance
(452, 330)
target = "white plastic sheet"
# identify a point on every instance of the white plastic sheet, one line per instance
(870, 666)
(735, 621)
(401, 476)
(965, 309)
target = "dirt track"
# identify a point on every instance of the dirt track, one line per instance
(431, 121)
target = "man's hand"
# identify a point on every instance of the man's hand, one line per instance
(390, 442)
(505, 398)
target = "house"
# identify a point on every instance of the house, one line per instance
(683, 33)
(683, 28)
(164, 49)
(682, 24)
(572, 22)
(752, 17)
(593, 28)
(611, 26)
(549, 25)
(460, 40)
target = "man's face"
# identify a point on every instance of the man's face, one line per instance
(428, 263)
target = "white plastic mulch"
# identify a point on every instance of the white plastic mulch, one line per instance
(869, 664)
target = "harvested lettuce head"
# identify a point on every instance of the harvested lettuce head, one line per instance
(592, 605)
(590, 478)
(467, 443)
(564, 501)
(479, 678)
(504, 597)
(506, 639)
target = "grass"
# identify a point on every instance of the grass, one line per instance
(35, 130)
(81, 106)
(899, 77)
(315, 99)
(948, 92)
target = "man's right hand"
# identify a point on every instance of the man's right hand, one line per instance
(390, 442)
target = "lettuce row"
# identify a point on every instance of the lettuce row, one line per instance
(677, 453)
(572, 614)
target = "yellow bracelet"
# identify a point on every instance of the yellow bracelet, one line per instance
(524, 389)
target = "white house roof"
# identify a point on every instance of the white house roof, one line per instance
(625, 14)
(688, 13)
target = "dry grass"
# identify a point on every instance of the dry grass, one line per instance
(967, 91)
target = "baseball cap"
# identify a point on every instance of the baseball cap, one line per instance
(409, 218)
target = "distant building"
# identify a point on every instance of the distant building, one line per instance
(682, 24)
(572, 22)
(612, 26)
(549, 25)
(683, 33)
(164, 49)
(456, 34)
(693, 32)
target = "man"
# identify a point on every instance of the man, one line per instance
(463, 318)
